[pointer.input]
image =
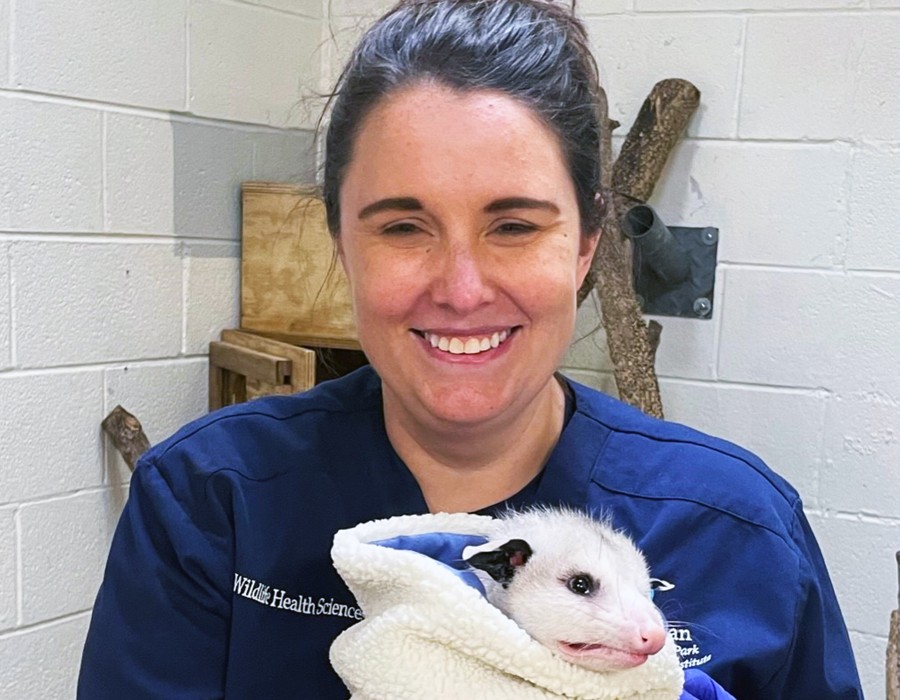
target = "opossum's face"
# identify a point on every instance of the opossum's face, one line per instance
(588, 602)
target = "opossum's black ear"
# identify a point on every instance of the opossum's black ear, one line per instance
(501, 563)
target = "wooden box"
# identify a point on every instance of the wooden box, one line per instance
(293, 287)
(245, 366)
(293, 294)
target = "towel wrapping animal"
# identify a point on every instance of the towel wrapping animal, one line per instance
(427, 634)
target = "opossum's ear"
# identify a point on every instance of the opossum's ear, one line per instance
(501, 563)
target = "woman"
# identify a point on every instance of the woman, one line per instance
(462, 185)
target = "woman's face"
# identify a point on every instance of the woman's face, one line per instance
(460, 235)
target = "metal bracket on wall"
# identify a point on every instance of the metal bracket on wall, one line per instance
(674, 266)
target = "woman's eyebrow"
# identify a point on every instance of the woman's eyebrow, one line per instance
(391, 203)
(498, 205)
(520, 203)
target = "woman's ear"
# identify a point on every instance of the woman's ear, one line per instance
(586, 251)
(590, 239)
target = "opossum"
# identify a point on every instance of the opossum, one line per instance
(575, 584)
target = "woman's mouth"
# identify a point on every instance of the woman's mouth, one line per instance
(466, 344)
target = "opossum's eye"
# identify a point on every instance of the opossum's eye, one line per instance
(581, 584)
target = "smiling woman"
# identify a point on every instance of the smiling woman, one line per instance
(462, 188)
(476, 240)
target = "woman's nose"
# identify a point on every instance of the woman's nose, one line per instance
(460, 280)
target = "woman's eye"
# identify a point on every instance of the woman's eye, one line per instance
(581, 584)
(403, 228)
(515, 227)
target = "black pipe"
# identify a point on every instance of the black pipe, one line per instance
(657, 246)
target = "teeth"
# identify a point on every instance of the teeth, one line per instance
(467, 346)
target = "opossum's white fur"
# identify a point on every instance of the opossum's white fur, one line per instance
(615, 627)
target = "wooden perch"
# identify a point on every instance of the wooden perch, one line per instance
(892, 660)
(127, 435)
(657, 128)
(630, 180)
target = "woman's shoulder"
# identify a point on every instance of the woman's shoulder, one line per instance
(661, 460)
(260, 437)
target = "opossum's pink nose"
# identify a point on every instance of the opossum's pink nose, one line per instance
(649, 640)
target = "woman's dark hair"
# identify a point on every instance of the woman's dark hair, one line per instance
(534, 51)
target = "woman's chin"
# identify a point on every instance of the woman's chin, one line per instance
(463, 408)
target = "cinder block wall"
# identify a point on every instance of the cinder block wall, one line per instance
(125, 130)
(794, 155)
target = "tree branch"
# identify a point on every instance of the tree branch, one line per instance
(127, 435)
(633, 176)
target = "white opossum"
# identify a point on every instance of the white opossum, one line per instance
(576, 585)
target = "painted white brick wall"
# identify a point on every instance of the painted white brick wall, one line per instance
(872, 240)
(213, 283)
(760, 191)
(63, 550)
(822, 329)
(126, 132)
(140, 160)
(8, 567)
(122, 53)
(126, 129)
(273, 53)
(855, 57)
(5, 341)
(632, 56)
(60, 189)
(4, 43)
(41, 662)
(862, 448)
(112, 300)
(794, 156)
(48, 433)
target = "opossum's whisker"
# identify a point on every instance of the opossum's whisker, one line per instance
(668, 608)
(619, 592)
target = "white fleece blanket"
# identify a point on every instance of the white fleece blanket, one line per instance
(427, 634)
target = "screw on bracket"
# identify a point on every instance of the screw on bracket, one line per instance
(702, 307)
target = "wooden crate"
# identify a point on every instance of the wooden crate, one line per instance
(296, 315)
(244, 366)
(292, 285)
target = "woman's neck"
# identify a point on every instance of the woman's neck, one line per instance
(465, 468)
